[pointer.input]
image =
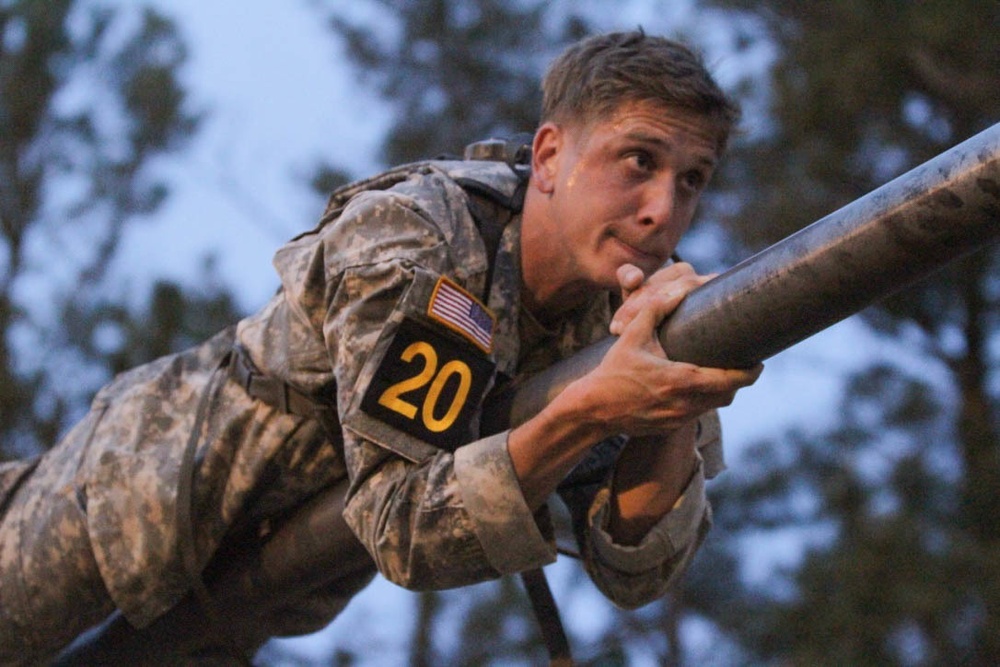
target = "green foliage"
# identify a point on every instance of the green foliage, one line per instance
(899, 500)
(862, 91)
(88, 99)
(454, 72)
(173, 319)
(501, 620)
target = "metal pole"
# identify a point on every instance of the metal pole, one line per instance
(905, 230)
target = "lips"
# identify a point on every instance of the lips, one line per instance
(637, 253)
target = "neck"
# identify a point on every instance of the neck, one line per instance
(549, 302)
(549, 288)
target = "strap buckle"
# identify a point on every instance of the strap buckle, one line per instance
(270, 390)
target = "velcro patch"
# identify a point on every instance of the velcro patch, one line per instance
(463, 313)
(428, 385)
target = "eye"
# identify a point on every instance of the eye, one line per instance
(694, 180)
(641, 160)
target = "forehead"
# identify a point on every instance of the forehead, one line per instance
(652, 120)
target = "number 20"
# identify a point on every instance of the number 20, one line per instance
(391, 397)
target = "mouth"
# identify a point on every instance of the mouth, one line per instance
(638, 255)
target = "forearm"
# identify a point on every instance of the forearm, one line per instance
(650, 476)
(544, 449)
(644, 527)
(632, 576)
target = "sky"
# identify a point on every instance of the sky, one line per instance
(277, 100)
(276, 103)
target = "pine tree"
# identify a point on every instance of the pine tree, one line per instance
(900, 498)
(89, 98)
(455, 72)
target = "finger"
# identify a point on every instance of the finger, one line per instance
(680, 273)
(667, 295)
(650, 315)
(702, 279)
(672, 272)
(753, 374)
(723, 383)
(630, 278)
(742, 377)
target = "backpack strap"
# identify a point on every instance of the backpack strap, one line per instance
(491, 208)
(492, 212)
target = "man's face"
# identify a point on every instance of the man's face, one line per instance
(622, 189)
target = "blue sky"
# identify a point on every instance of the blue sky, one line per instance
(276, 104)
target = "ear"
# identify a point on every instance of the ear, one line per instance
(546, 150)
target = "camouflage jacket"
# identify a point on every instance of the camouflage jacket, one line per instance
(366, 320)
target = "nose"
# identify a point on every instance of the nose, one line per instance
(658, 204)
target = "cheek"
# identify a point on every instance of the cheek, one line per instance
(683, 222)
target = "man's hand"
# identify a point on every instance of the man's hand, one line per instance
(672, 280)
(660, 458)
(635, 388)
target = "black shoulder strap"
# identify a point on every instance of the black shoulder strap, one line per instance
(492, 213)
(491, 209)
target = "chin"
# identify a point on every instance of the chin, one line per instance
(608, 280)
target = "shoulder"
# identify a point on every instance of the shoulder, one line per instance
(439, 192)
(418, 213)
(432, 179)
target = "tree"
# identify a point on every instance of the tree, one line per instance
(455, 71)
(900, 498)
(175, 318)
(89, 99)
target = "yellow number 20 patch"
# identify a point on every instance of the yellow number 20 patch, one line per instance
(438, 379)
(429, 385)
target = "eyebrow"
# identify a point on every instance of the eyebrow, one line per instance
(666, 145)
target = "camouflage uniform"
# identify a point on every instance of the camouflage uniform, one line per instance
(96, 523)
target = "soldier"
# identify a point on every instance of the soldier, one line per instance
(419, 292)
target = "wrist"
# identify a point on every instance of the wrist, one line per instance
(586, 413)
(546, 447)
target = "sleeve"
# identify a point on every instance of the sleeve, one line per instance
(632, 576)
(410, 387)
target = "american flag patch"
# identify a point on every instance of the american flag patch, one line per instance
(460, 311)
